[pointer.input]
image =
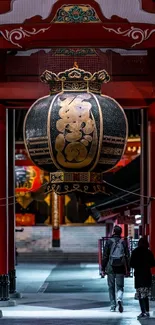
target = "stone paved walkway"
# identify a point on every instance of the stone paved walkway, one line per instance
(68, 295)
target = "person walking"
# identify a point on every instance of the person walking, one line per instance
(142, 260)
(115, 263)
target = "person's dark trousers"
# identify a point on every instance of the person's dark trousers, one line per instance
(146, 301)
(118, 281)
(142, 305)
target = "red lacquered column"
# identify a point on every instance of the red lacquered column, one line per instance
(151, 184)
(55, 208)
(11, 207)
(4, 278)
(144, 171)
(61, 209)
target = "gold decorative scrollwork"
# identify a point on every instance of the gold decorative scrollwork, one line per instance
(75, 79)
(75, 86)
(67, 188)
(76, 14)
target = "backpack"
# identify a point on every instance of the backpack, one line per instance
(117, 254)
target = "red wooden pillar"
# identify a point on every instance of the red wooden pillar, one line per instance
(125, 230)
(61, 209)
(144, 171)
(151, 175)
(151, 185)
(55, 209)
(11, 207)
(4, 278)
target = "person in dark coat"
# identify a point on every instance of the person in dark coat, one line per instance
(142, 260)
(116, 273)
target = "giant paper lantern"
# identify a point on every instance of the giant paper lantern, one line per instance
(75, 133)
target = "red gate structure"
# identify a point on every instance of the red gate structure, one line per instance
(128, 29)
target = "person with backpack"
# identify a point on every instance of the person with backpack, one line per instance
(142, 260)
(116, 264)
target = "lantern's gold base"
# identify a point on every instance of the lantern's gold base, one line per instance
(76, 177)
(87, 182)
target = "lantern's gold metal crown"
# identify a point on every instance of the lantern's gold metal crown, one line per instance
(75, 79)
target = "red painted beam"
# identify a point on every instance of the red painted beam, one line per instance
(23, 90)
(107, 34)
(148, 6)
(127, 93)
(130, 92)
(5, 6)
